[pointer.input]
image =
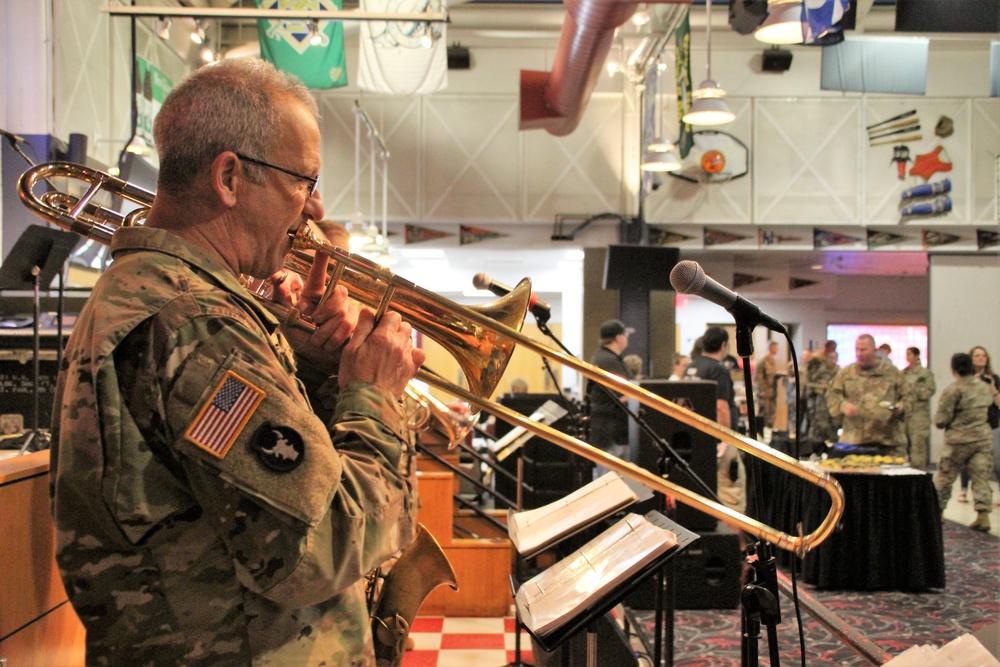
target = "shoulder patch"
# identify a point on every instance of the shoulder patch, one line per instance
(280, 448)
(222, 418)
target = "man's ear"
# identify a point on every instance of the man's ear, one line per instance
(227, 178)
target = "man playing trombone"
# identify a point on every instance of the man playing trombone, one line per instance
(205, 514)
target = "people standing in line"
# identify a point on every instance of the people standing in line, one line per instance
(961, 413)
(608, 421)
(681, 362)
(731, 475)
(884, 351)
(822, 425)
(633, 362)
(766, 380)
(983, 369)
(920, 386)
(870, 396)
(205, 514)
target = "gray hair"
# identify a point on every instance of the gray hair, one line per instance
(233, 105)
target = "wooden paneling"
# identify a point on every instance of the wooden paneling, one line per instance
(36, 620)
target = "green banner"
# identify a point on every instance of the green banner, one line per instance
(682, 48)
(151, 88)
(287, 44)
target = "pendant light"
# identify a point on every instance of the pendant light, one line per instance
(709, 99)
(661, 155)
(783, 24)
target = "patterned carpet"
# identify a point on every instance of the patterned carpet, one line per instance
(893, 621)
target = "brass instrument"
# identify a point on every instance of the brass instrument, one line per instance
(428, 413)
(481, 339)
(420, 569)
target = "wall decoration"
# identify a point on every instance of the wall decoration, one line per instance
(416, 234)
(469, 235)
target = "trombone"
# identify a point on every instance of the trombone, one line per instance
(480, 338)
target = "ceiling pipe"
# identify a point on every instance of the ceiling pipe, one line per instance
(554, 101)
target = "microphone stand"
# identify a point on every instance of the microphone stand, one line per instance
(664, 603)
(759, 597)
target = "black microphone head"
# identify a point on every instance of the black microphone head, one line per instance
(481, 281)
(687, 277)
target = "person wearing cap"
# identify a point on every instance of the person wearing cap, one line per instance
(608, 422)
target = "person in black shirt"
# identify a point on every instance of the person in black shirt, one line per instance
(710, 366)
(608, 422)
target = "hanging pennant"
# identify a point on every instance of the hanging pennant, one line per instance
(825, 239)
(933, 239)
(879, 239)
(402, 57)
(659, 236)
(718, 237)
(476, 234)
(986, 238)
(765, 238)
(744, 279)
(798, 283)
(415, 234)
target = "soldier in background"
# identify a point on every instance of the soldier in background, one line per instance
(920, 386)
(767, 384)
(822, 426)
(961, 413)
(870, 395)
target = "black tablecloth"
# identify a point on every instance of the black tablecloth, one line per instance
(889, 537)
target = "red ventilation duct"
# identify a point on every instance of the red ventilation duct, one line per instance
(555, 101)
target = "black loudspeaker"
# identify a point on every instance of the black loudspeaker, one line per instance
(459, 57)
(549, 472)
(695, 447)
(639, 267)
(706, 575)
(77, 149)
(776, 60)
(612, 648)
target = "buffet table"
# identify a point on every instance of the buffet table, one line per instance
(889, 537)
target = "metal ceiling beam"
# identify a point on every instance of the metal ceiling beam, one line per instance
(346, 15)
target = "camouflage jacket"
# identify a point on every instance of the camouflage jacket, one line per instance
(873, 390)
(767, 378)
(962, 411)
(920, 386)
(204, 514)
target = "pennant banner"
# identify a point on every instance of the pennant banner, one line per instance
(415, 234)
(986, 238)
(744, 279)
(476, 234)
(286, 44)
(825, 239)
(402, 58)
(765, 238)
(659, 236)
(718, 237)
(933, 239)
(880, 239)
(818, 16)
(796, 283)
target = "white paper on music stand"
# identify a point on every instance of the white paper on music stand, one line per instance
(553, 598)
(547, 413)
(533, 530)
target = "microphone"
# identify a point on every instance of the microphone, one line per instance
(541, 310)
(13, 138)
(688, 277)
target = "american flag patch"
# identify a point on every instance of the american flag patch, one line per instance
(224, 416)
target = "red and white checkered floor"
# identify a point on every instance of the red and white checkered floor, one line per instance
(464, 642)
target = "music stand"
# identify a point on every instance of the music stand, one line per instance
(587, 619)
(36, 258)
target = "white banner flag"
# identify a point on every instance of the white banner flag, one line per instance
(401, 57)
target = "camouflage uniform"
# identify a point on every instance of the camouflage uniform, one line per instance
(920, 386)
(967, 439)
(872, 390)
(767, 389)
(822, 425)
(182, 545)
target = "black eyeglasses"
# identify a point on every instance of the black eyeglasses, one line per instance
(313, 182)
